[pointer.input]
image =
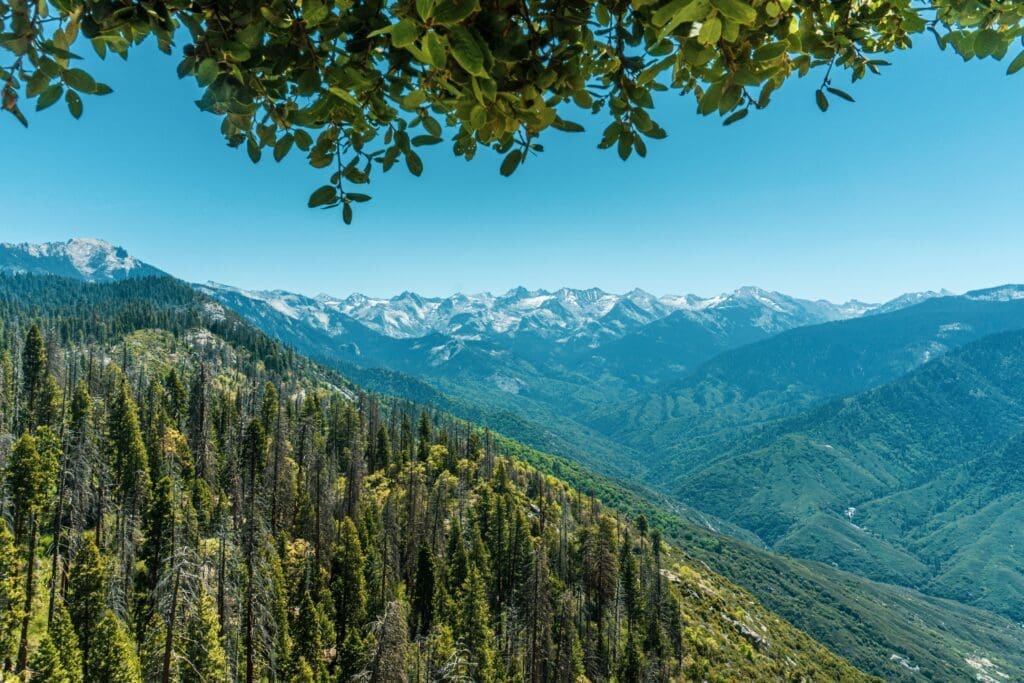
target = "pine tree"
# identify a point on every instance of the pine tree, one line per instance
(33, 376)
(112, 657)
(382, 450)
(311, 634)
(46, 665)
(31, 474)
(198, 423)
(47, 403)
(126, 448)
(206, 661)
(631, 666)
(423, 443)
(348, 583)
(12, 598)
(423, 595)
(473, 629)
(7, 392)
(303, 673)
(62, 632)
(176, 397)
(351, 656)
(629, 575)
(87, 594)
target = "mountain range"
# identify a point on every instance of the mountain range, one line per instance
(881, 439)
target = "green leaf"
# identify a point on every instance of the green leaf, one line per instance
(567, 126)
(49, 96)
(735, 116)
(625, 146)
(511, 162)
(74, 103)
(819, 97)
(18, 115)
(314, 12)
(770, 51)
(405, 33)
(422, 140)
(414, 99)
(841, 94)
(710, 31)
(737, 11)
(664, 13)
(691, 11)
(357, 197)
(466, 51)
(424, 8)
(207, 71)
(343, 94)
(432, 126)
(413, 162)
(1016, 65)
(253, 150)
(79, 80)
(434, 47)
(283, 146)
(325, 194)
(454, 11)
(987, 42)
(346, 213)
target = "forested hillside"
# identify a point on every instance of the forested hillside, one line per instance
(915, 482)
(186, 500)
(732, 396)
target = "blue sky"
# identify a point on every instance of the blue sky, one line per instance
(916, 186)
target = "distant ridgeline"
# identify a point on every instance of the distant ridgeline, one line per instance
(185, 499)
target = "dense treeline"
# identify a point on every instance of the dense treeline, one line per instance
(175, 508)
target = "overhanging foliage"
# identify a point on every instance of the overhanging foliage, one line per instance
(356, 84)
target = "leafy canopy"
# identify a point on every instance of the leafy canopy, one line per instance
(357, 84)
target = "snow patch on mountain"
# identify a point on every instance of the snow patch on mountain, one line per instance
(82, 258)
(1003, 293)
(585, 315)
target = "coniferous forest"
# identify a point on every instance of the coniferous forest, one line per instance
(187, 500)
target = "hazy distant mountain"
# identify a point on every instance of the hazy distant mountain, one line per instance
(80, 258)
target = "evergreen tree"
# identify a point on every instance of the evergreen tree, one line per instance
(126, 448)
(112, 657)
(382, 450)
(62, 632)
(12, 598)
(473, 629)
(423, 595)
(31, 474)
(33, 376)
(311, 634)
(206, 661)
(87, 594)
(46, 665)
(176, 397)
(348, 583)
(424, 438)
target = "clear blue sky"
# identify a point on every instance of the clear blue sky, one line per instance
(919, 185)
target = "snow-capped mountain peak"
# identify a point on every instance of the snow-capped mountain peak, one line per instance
(584, 315)
(81, 258)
